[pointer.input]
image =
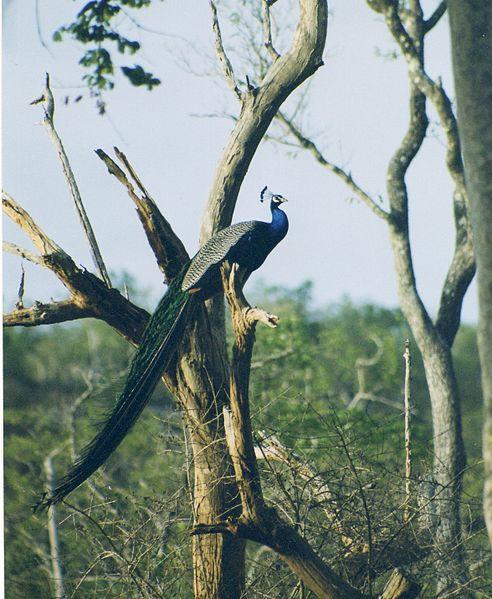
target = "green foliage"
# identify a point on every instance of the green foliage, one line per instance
(59, 380)
(47, 373)
(95, 26)
(138, 77)
(325, 347)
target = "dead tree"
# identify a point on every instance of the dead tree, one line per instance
(435, 338)
(199, 374)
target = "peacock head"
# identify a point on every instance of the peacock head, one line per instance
(275, 198)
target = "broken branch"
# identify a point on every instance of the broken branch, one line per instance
(40, 313)
(168, 249)
(49, 109)
(12, 248)
(88, 292)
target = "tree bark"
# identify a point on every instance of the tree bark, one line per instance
(259, 106)
(55, 555)
(471, 31)
(449, 453)
(199, 381)
(400, 586)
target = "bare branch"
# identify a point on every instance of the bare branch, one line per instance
(267, 29)
(49, 110)
(433, 90)
(270, 448)
(403, 156)
(259, 107)
(12, 248)
(54, 540)
(168, 249)
(39, 313)
(88, 292)
(435, 17)
(272, 358)
(361, 366)
(347, 178)
(20, 293)
(222, 56)
(19, 216)
(458, 278)
(236, 416)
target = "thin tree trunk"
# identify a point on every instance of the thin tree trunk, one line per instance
(56, 564)
(471, 41)
(449, 453)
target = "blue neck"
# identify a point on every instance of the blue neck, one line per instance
(280, 223)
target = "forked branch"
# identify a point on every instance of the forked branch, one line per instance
(89, 295)
(168, 249)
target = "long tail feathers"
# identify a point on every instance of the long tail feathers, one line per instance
(158, 346)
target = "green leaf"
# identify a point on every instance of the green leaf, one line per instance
(138, 77)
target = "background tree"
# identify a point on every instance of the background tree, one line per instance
(408, 27)
(471, 25)
(96, 26)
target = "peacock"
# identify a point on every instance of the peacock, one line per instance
(247, 244)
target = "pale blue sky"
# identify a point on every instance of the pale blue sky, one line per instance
(357, 110)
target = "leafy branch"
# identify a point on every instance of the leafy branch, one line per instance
(94, 26)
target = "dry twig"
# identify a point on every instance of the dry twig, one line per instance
(49, 112)
(222, 56)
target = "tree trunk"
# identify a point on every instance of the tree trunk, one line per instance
(200, 382)
(449, 463)
(471, 31)
(449, 453)
(55, 557)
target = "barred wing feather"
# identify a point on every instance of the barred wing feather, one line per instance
(214, 252)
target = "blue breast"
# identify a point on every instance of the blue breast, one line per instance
(254, 247)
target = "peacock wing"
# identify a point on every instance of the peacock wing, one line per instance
(215, 251)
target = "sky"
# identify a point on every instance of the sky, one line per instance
(356, 110)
